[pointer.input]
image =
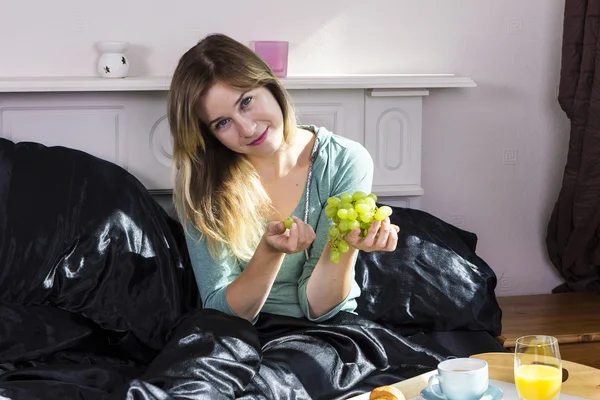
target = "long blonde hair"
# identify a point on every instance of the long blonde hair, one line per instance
(216, 189)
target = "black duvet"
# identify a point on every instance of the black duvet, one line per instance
(98, 300)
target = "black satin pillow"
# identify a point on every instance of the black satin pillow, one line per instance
(433, 281)
(84, 235)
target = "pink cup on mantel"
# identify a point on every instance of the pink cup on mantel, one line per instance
(274, 53)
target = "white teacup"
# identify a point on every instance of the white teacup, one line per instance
(460, 379)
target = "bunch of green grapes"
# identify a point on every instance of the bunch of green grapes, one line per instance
(349, 212)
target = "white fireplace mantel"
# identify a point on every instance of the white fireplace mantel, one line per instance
(124, 120)
(160, 83)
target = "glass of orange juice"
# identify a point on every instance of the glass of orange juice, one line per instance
(538, 368)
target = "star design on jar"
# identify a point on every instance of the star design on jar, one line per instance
(106, 70)
(123, 60)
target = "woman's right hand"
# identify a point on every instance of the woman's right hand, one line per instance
(299, 237)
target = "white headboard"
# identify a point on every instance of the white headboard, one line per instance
(124, 121)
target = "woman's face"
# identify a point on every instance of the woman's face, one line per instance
(246, 122)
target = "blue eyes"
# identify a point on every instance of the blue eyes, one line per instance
(244, 103)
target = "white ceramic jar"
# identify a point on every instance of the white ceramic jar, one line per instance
(112, 62)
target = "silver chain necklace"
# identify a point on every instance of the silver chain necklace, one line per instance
(308, 181)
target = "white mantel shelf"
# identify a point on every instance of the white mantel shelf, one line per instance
(124, 121)
(161, 83)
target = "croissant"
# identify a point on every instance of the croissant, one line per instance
(386, 393)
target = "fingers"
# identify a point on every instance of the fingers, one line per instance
(300, 236)
(392, 239)
(369, 240)
(275, 228)
(384, 234)
(301, 228)
(305, 231)
(293, 237)
(353, 238)
(388, 236)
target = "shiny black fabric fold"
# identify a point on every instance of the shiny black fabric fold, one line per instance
(298, 359)
(284, 358)
(434, 281)
(98, 301)
(209, 356)
(344, 356)
(214, 356)
(83, 235)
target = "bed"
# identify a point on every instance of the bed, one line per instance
(98, 300)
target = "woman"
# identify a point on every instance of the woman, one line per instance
(242, 165)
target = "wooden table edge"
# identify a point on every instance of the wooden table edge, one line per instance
(583, 381)
(580, 338)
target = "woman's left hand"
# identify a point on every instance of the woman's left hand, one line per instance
(382, 236)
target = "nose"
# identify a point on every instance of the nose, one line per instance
(247, 126)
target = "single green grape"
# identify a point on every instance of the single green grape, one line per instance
(367, 217)
(345, 206)
(343, 226)
(359, 195)
(346, 198)
(373, 196)
(380, 215)
(354, 224)
(342, 213)
(288, 222)
(370, 202)
(343, 246)
(330, 211)
(386, 210)
(351, 214)
(334, 256)
(362, 208)
(333, 201)
(333, 231)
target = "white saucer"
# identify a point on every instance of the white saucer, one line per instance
(492, 393)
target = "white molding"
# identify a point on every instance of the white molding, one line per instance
(398, 93)
(97, 129)
(83, 84)
(398, 190)
(393, 136)
(161, 83)
(378, 81)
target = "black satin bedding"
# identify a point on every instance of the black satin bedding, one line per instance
(97, 300)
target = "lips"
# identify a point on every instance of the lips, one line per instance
(259, 139)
